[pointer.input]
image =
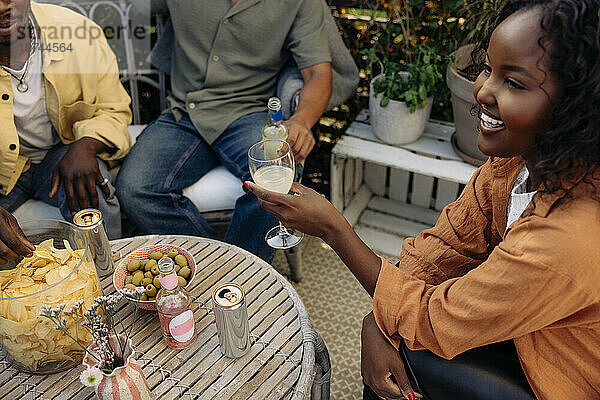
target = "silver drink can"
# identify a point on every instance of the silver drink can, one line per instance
(91, 223)
(231, 317)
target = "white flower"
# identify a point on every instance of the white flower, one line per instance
(91, 376)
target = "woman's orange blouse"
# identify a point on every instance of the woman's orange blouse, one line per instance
(469, 281)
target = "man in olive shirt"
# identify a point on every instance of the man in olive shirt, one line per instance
(225, 63)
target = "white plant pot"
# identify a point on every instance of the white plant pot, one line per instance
(394, 123)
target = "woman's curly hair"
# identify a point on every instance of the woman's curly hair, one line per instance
(571, 39)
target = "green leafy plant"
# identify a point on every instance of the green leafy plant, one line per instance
(477, 17)
(423, 74)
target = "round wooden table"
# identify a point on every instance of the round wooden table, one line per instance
(287, 360)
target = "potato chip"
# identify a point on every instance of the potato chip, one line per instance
(16, 311)
(62, 255)
(65, 270)
(30, 339)
(4, 281)
(47, 244)
(23, 282)
(26, 291)
(44, 254)
(41, 272)
(53, 277)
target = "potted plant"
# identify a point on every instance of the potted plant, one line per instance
(477, 17)
(401, 96)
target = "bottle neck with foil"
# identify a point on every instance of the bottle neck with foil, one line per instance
(275, 127)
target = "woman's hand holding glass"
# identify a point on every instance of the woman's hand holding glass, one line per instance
(308, 211)
(305, 210)
(271, 164)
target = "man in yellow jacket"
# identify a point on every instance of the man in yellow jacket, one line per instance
(63, 114)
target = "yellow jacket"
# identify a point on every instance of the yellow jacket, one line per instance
(84, 96)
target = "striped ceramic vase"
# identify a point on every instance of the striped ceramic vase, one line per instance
(124, 383)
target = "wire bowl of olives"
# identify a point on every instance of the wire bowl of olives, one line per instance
(140, 269)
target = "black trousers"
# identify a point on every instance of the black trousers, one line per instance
(490, 372)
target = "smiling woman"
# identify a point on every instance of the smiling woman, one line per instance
(516, 90)
(502, 290)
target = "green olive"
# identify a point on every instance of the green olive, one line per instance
(148, 274)
(150, 264)
(150, 290)
(185, 272)
(154, 270)
(133, 265)
(182, 282)
(172, 253)
(128, 279)
(137, 277)
(177, 268)
(156, 282)
(156, 255)
(181, 261)
(143, 297)
(143, 263)
(130, 286)
(146, 281)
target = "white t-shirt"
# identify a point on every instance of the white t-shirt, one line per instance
(519, 197)
(31, 118)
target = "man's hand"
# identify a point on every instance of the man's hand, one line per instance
(382, 367)
(80, 173)
(13, 243)
(300, 138)
(312, 102)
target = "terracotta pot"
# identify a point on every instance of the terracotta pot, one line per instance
(465, 139)
(394, 123)
(125, 383)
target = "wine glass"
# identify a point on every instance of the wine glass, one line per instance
(272, 167)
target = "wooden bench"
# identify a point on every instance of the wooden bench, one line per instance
(386, 191)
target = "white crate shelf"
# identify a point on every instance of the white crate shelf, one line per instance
(390, 192)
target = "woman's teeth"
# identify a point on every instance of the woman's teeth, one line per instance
(490, 122)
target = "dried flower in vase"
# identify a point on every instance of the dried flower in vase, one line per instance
(101, 321)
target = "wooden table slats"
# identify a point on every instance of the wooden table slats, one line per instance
(271, 369)
(284, 389)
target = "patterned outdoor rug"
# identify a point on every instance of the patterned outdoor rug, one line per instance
(336, 304)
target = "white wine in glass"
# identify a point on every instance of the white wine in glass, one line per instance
(272, 167)
(276, 178)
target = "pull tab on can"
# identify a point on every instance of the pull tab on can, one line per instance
(231, 317)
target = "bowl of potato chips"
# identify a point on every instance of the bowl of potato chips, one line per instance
(140, 269)
(59, 271)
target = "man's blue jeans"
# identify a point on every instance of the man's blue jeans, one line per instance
(35, 184)
(169, 156)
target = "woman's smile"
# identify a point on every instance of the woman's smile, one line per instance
(489, 124)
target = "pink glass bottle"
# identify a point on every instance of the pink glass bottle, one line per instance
(174, 308)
